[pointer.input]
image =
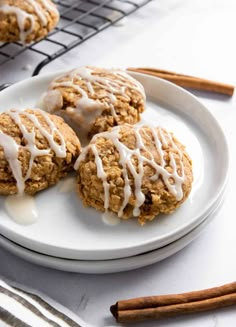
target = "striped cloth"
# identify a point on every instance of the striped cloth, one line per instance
(21, 308)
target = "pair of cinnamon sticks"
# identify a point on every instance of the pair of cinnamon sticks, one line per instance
(187, 81)
(165, 306)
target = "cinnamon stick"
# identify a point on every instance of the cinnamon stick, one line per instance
(164, 306)
(187, 81)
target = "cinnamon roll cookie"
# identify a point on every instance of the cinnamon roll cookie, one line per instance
(26, 20)
(134, 171)
(36, 150)
(95, 99)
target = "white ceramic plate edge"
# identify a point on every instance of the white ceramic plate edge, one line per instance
(110, 266)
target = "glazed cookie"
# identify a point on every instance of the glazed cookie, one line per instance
(36, 150)
(135, 171)
(95, 99)
(26, 20)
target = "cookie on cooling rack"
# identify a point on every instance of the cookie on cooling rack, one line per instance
(26, 20)
(36, 150)
(134, 171)
(95, 99)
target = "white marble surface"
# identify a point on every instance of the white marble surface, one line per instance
(194, 37)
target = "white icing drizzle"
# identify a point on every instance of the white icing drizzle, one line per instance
(22, 209)
(173, 180)
(113, 88)
(40, 12)
(59, 149)
(67, 185)
(12, 149)
(111, 219)
(50, 7)
(51, 99)
(22, 16)
(102, 175)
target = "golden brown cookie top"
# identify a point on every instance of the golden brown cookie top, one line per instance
(138, 158)
(26, 136)
(26, 20)
(96, 98)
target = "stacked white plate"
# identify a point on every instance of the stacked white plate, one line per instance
(71, 237)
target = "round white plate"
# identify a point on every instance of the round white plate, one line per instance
(109, 266)
(67, 229)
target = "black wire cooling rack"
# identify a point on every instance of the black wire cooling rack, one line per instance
(80, 20)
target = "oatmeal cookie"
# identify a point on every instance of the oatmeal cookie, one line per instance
(26, 20)
(95, 99)
(36, 150)
(137, 171)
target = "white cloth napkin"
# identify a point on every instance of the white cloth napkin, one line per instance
(24, 308)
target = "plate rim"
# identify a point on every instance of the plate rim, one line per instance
(89, 267)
